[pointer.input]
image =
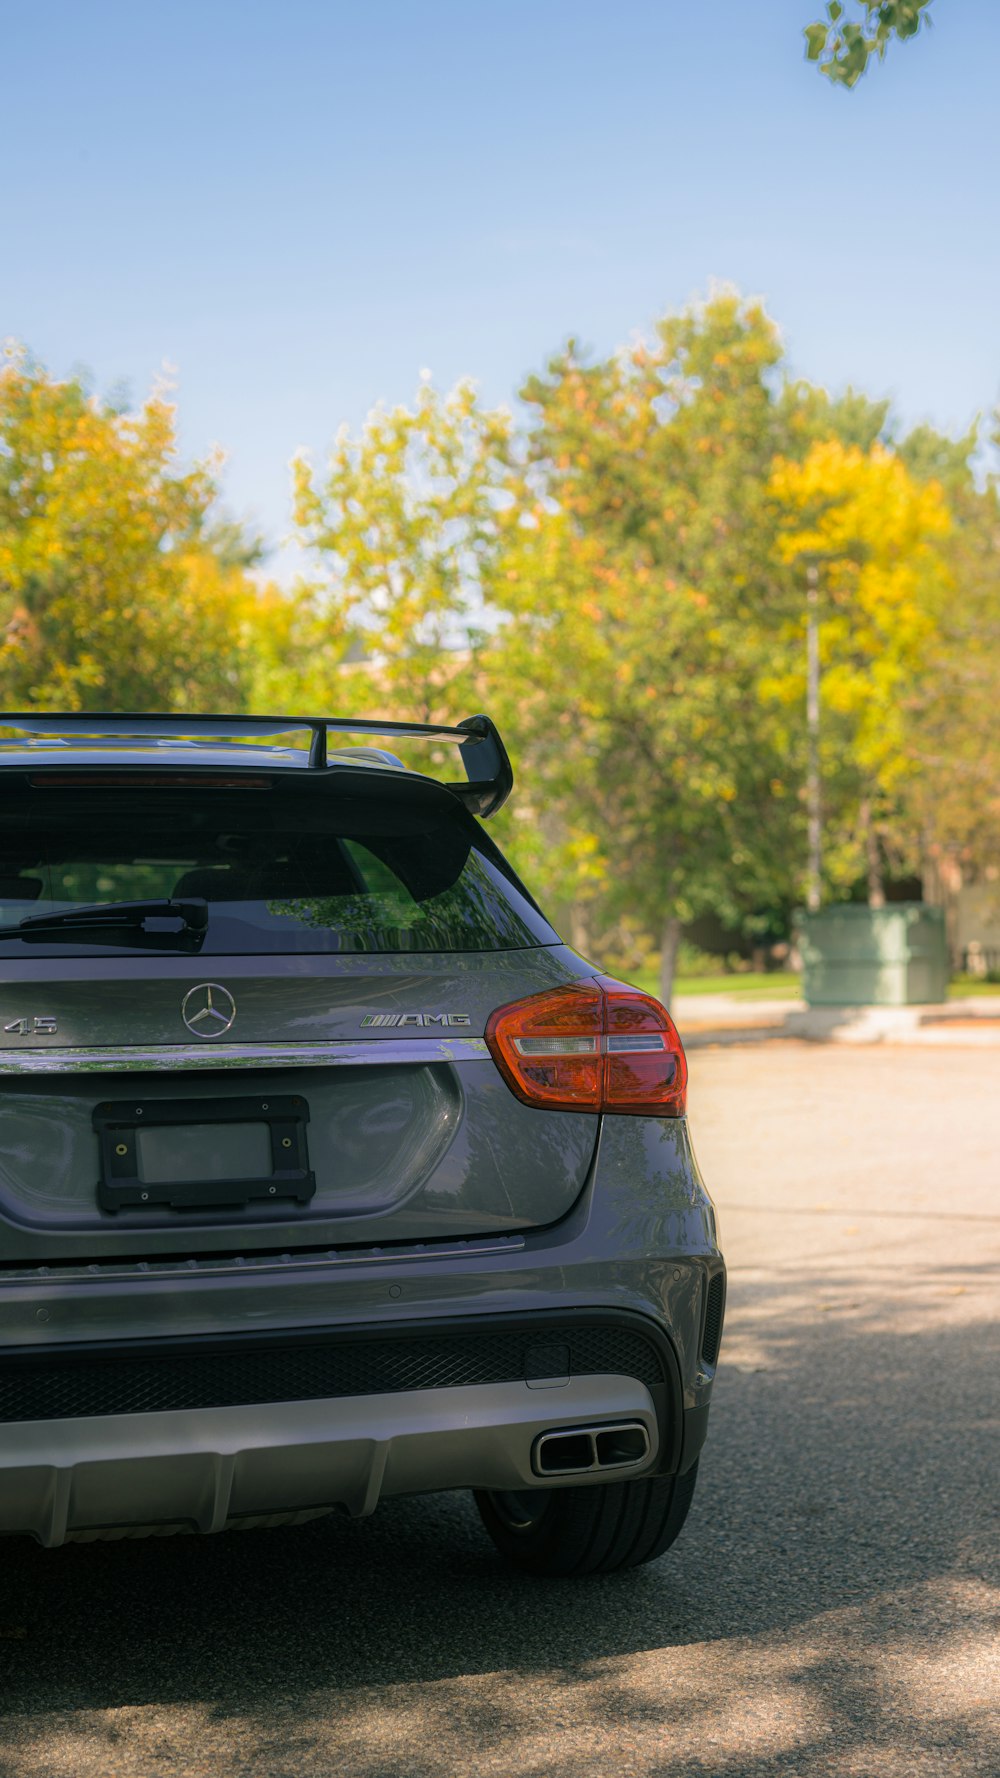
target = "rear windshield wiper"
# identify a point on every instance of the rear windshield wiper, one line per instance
(115, 916)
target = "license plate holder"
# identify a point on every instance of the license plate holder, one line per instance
(121, 1186)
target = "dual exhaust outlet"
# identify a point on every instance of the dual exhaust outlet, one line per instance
(587, 1450)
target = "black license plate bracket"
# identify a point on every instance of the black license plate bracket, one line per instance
(121, 1186)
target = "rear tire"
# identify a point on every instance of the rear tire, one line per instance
(595, 1530)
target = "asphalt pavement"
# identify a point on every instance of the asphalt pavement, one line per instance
(832, 1607)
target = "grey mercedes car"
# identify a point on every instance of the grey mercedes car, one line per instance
(327, 1171)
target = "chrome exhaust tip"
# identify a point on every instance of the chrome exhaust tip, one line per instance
(588, 1450)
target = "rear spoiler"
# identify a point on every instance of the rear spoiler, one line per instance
(489, 778)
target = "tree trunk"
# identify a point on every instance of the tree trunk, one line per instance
(668, 957)
(873, 858)
(579, 928)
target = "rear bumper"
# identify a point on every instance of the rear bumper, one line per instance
(207, 1465)
(209, 1469)
(193, 1393)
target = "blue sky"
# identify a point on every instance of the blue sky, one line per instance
(299, 205)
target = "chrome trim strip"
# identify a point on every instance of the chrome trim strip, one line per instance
(186, 1057)
(254, 1265)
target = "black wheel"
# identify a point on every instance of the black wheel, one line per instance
(595, 1530)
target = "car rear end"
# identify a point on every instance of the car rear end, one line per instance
(327, 1173)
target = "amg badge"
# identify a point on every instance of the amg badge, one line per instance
(399, 1019)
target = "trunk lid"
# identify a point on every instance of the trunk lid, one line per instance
(411, 1134)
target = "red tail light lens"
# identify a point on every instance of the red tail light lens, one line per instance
(548, 1047)
(597, 1045)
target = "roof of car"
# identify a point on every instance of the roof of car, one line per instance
(263, 743)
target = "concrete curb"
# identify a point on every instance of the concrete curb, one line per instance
(714, 1019)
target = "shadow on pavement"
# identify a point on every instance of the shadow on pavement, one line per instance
(829, 1608)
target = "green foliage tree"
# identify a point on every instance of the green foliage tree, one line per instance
(954, 788)
(622, 581)
(844, 46)
(401, 523)
(811, 415)
(294, 648)
(112, 592)
(624, 585)
(639, 588)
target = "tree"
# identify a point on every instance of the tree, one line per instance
(954, 786)
(874, 535)
(810, 415)
(844, 47)
(639, 591)
(112, 594)
(401, 523)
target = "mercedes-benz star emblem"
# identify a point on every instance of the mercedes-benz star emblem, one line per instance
(208, 1010)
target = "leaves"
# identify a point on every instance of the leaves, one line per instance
(817, 37)
(874, 536)
(400, 526)
(113, 592)
(620, 580)
(844, 51)
(954, 788)
(637, 592)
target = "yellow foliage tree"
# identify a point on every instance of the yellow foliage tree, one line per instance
(873, 534)
(113, 595)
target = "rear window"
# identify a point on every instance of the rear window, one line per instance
(280, 872)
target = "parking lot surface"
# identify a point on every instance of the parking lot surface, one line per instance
(832, 1607)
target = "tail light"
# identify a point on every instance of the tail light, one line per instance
(596, 1045)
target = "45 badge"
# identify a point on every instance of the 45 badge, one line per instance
(39, 1027)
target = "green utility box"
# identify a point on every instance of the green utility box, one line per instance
(860, 956)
